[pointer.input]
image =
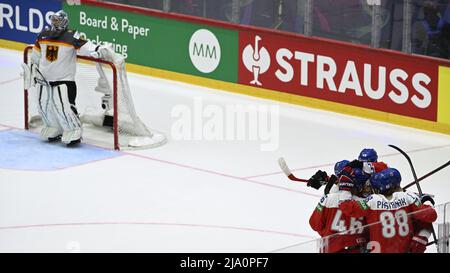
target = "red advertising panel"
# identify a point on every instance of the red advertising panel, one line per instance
(358, 76)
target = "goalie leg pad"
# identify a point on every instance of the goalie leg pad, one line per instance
(45, 108)
(49, 133)
(64, 94)
(72, 136)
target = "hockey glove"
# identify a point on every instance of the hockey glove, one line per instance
(345, 183)
(317, 180)
(426, 197)
(331, 181)
(418, 244)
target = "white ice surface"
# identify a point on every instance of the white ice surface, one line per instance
(193, 196)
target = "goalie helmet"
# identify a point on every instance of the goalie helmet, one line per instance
(59, 21)
(368, 155)
(387, 179)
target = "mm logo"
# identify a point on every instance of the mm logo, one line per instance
(204, 51)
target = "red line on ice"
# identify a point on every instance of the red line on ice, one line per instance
(221, 174)
(54, 225)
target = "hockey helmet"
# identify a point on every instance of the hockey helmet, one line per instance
(59, 20)
(339, 166)
(359, 178)
(368, 155)
(386, 179)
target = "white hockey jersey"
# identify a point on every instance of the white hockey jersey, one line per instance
(56, 53)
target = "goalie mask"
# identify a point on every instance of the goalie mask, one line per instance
(59, 21)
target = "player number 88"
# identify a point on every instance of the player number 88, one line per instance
(388, 220)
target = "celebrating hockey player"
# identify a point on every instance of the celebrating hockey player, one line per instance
(52, 70)
(321, 177)
(341, 233)
(367, 161)
(390, 212)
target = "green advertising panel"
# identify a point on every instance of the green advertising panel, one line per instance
(161, 43)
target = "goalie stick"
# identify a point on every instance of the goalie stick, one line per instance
(416, 181)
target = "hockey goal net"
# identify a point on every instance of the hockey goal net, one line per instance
(104, 104)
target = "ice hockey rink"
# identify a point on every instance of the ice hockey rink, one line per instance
(187, 195)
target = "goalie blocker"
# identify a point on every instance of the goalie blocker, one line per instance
(114, 111)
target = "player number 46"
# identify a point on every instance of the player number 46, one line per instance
(339, 224)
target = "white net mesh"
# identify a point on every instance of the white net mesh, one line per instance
(95, 104)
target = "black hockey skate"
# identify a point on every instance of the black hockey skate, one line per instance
(54, 139)
(74, 143)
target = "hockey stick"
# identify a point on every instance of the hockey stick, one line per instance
(288, 172)
(415, 181)
(292, 177)
(427, 175)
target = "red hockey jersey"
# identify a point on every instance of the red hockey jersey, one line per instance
(327, 219)
(390, 220)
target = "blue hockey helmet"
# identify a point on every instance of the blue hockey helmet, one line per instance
(368, 155)
(386, 179)
(339, 166)
(359, 177)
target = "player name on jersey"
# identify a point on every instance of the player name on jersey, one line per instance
(396, 204)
